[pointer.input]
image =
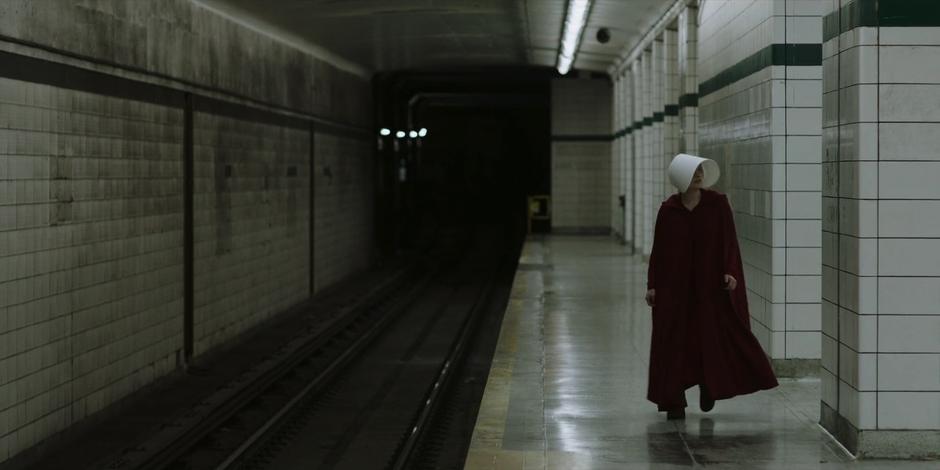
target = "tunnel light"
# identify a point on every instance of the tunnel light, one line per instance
(400, 134)
(413, 134)
(575, 20)
(423, 132)
(385, 131)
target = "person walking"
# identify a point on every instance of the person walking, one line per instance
(701, 324)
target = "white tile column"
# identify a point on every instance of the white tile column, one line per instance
(796, 210)
(627, 157)
(688, 80)
(616, 124)
(881, 231)
(649, 144)
(670, 109)
(639, 214)
(760, 119)
(657, 85)
(639, 147)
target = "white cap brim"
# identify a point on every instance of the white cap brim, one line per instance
(682, 170)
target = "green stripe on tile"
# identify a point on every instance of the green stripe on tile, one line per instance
(908, 12)
(688, 100)
(830, 26)
(582, 138)
(874, 13)
(797, 54)
(859, 13)
(774, 54)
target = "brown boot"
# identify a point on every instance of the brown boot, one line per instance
(678, 413)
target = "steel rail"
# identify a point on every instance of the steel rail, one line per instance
(406, 451)
(253, 385)
(322, 379)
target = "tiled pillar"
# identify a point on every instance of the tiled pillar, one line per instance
(688, 80)
(657, 104)
(627, 156)
(649, 137)
(670, 108)
(798, 208)
(881, 235)
(639, 158)
(616, 123)
(760, 118)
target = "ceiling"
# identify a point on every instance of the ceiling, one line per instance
(382, 35)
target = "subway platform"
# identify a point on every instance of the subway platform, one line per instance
(567, 387)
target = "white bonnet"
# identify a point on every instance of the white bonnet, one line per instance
(682, 169)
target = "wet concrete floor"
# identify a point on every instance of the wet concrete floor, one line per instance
(568, 383)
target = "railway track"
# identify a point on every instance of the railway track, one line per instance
(357, 394)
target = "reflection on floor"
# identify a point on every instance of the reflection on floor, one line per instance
(568, 384)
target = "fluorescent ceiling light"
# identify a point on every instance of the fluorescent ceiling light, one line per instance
(385, 131)
(400, 134)
(575, 19)
(423, 132)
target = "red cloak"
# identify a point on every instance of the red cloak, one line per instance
(701, 332)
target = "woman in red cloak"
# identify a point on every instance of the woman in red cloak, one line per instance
(701, 325)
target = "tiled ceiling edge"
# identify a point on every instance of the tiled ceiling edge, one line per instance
(630, 52)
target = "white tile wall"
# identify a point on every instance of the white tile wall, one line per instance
(581, 182)
(912, 36)
(909, 410)
(621, 217)
(670, 85)
(654, 81)
(803, 317)
(647, 138)
(688, 78)
(628, 158)
(909, 334)
(908, 64)
(909, 372)
(879, 217)
(91, 208)
(731, 30)
(616, 160)
(90, 254)
(802, 29)
(657, 83)
(909, 102)
(251, 231)
(829, 385)
(639, 156)
(907, 141)
(909, 295)
(765, 132)
(581, 106)
(908, 180)
(644, 96)
(343, 194)
(829, 170)
(803, 344)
